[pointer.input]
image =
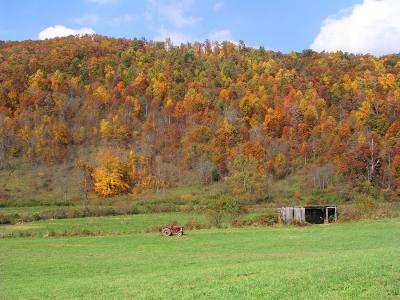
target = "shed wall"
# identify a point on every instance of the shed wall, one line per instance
(289, 214)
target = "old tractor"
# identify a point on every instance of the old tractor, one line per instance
(172, 230)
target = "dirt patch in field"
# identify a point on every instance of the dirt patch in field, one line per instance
(21, 227)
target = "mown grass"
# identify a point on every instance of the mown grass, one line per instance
(359, 260)
(123, 224)
(105, 225)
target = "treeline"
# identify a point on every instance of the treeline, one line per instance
(161, 115)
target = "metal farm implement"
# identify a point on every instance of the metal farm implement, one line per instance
(172, 230)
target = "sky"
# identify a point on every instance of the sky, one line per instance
(357, 26)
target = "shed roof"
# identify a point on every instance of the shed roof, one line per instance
(319, 206)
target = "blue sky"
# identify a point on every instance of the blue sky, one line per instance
(282, 25)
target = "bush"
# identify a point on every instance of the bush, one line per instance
(73, 213)
(60, 213)
(365, 207)
(99, 211)
(151, 207)
(366, 204)
(224, 206)
(299, 223)
(7, 219)
(35, 217)
(214, 174)
(368, 188)
(164, 207)
(26, 218)
(242, 222)
(266, 219)
(122, 208)
(192, 224)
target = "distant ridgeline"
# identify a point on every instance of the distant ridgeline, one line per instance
(155, 114)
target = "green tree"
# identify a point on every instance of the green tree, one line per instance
(245, 178)
(224, 207)
(214, 174)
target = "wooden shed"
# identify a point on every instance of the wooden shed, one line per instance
(316, 214)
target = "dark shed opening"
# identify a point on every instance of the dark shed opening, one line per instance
(320, 214)
(317, 214)
(314, 215)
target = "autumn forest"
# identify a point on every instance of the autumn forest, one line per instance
(136, 115)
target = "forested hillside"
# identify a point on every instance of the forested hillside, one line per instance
(132, 115)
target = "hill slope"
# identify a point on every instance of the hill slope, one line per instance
(177, 115)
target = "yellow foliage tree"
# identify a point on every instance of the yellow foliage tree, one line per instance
(280, 164)
(111, 178)
(105, 129)
(274, 122)
(56, 80)
(60, 134)
(103, 94)
(108, 72)
(141, 83)
(37, 80)
(135, 105)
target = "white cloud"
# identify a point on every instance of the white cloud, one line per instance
(176, 37)
(173, 12)
(60, 30)
(221, 35)
(87, 19)
(371, 27)
(173, 18)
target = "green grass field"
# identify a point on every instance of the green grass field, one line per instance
(341, 261)
(105, 225)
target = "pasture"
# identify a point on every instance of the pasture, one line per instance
(338, 261)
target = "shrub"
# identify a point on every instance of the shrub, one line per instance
(164, 207)
(365, 207)
(224, 206)
(216, 217)
(23, 234)
(214, 174)
(122, 207)
(193, 224)
(366, 204)
(26, 218)
(35, 217)
(7, 219)
(98, 211)
(84, 232)
(60, 213)
(241, 222)
(266, 219)
(349, 214)
(73, 213)
(368, 188)
(299, 223)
